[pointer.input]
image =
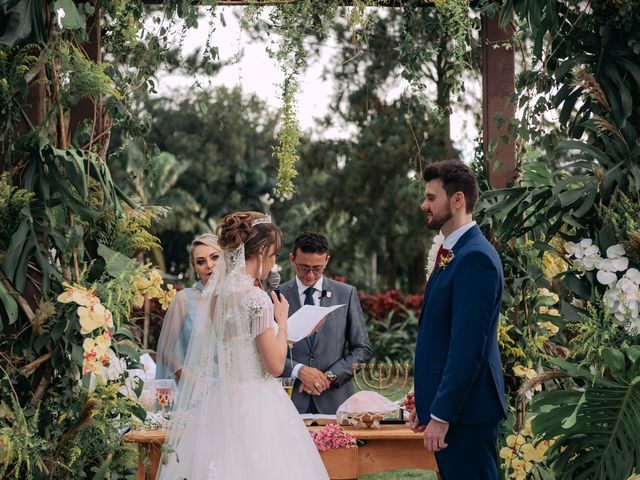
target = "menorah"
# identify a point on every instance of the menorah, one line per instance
(385, 378)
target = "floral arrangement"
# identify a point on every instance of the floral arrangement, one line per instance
(150, 286)
(332, 436)
(94, 318)
(380, 305)
(622, 293)
(96, 321)
(522, 455)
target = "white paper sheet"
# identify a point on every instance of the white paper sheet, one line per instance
(302, 323)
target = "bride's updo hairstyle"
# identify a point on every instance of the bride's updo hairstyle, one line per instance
(251, 228)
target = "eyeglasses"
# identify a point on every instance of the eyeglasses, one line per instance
(306, 270)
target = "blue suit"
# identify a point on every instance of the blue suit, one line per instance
(458, 372)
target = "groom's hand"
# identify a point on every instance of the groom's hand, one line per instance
(434, 435)
(314, 381)
(414, 423)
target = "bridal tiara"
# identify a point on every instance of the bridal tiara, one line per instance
(258, 221)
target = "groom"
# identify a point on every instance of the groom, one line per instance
(459, 386)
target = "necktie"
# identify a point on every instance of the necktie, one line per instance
(308, 300)
(308, 296)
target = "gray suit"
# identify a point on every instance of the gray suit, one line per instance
(341, 341)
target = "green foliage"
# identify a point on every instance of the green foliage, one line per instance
(606, 409)
(393, 337)
(455, 23)
(597, 331)
(224, 138)
(15, 65)
(18, 451)
(83, 78)
(154, 183)
(288, 141)
(625, 218)
(12, 201)
(129, 233)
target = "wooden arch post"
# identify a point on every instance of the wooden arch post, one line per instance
(498, 84)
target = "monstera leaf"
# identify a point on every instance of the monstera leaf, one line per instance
(21, 22)
(596, 428)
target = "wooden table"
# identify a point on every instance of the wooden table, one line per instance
(391, 447)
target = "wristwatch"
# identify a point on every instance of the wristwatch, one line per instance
(332, 377)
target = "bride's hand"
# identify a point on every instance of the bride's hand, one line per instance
(281, 309)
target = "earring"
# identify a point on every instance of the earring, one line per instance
(260, 268)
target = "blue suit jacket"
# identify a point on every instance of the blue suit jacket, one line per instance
(458, 372)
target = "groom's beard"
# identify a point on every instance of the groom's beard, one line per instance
(435, 222)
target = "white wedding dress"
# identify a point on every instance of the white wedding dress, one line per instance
(232, 420)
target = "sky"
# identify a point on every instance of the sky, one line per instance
(256, 73)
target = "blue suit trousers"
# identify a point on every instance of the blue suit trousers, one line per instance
(471, 454)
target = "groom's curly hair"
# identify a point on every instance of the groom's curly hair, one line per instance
(456, 177)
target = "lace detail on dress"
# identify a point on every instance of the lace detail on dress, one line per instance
(260, 312)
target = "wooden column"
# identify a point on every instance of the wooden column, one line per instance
(498, 83)
(87, 109)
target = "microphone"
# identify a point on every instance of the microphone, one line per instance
(273, 279)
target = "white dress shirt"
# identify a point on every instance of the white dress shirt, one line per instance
(454, 236)
(449, 243)
(316, 301)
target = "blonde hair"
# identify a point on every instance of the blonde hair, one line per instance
(208, 239)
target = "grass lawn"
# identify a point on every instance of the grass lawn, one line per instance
(401, 475)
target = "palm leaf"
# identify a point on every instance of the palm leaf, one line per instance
(596, 430)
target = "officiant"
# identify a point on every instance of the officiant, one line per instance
(321, 363)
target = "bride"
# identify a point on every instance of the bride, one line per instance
(233, 420)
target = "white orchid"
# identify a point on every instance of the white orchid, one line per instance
(623, 300)
(615, 262)
(586, 254)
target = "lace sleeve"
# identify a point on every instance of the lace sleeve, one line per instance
(260, 311)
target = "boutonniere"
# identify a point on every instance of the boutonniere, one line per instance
(325, 293)
(446, 258)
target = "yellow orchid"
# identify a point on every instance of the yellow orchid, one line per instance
(552, 265)
(90, 365)
(549, 326)
(526, 429)
(77, 294)
(155, 277)
(544, 292)
(141, 283)
(167, 296)
(138, 301)
(515, 441)
(507, 454)
(154, 292)
(521, 468)
(524, 372)
(94, 316)
(98, 348)
(531, 453)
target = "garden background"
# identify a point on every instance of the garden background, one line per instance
(104, 183)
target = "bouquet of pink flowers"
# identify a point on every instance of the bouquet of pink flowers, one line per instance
(332, 436)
